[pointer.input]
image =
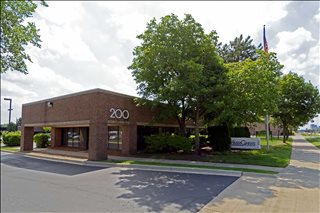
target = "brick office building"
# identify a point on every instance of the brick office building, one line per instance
(258, 127)
(99, 121)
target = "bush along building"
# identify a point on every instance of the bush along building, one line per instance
(99, 121)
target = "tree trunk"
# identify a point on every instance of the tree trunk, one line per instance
(197, 131)
(284, 132)
(182, 121)
(182, 127)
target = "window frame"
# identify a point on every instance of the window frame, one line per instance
(70, 140)
(118, 141)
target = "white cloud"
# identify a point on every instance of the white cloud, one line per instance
(289, 41)
(61, 13)
(11, 88)
(317, 16)
(229, 19)
(64, 40)
(43, 77)
(114, 59)
(314, 55)
(313, 62)
(294, 64)
(289, 47)
(40, 83)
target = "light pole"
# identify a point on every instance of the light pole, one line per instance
(10, 109)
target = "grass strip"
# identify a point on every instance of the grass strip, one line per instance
(314, 140)
(279, 155)
(132, 162)
(10, 148)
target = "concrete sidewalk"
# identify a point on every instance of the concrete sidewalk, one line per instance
(295, 189)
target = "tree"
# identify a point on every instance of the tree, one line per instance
(208, 90)
(239, 50)
(177, 65)
(299, 102)
(252, 89)
(15, 34)
(12, 127)
(18, 121)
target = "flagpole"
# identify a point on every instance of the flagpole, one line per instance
(267, 128)
(266, 49)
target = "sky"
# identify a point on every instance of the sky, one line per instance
(87, 45)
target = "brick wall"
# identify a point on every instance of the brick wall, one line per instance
(89, 109)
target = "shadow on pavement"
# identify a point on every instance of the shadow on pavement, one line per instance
(23, 162)
(302, 173)
(299, 177)
(313, 157)
(306, 152)
(255, 190)
(168, 192)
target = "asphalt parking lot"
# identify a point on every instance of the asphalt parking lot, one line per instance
(38, 185)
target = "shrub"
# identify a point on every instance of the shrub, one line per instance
(46, 129)
(167, 143)
(41, 140)
(219, 138)
(202, 138)
(2, 133)
(11, 138)
(241, 132)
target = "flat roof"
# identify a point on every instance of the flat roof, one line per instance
(97, 90)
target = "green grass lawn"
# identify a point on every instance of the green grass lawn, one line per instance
(278, 156)
(315, 140)
(133, 162)
(10, 148)
(311, 134)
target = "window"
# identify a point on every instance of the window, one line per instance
(114, 137)
(71, 137)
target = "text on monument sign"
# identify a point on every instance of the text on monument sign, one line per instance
(245, 143)
(119, 113)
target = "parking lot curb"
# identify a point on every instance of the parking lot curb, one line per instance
(168, 169)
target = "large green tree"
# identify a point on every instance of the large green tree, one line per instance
(299, 102)
(16, 33)
(252, 89)
(177, 65)
(239, 49)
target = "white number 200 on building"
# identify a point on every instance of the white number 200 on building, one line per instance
(118, 113)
